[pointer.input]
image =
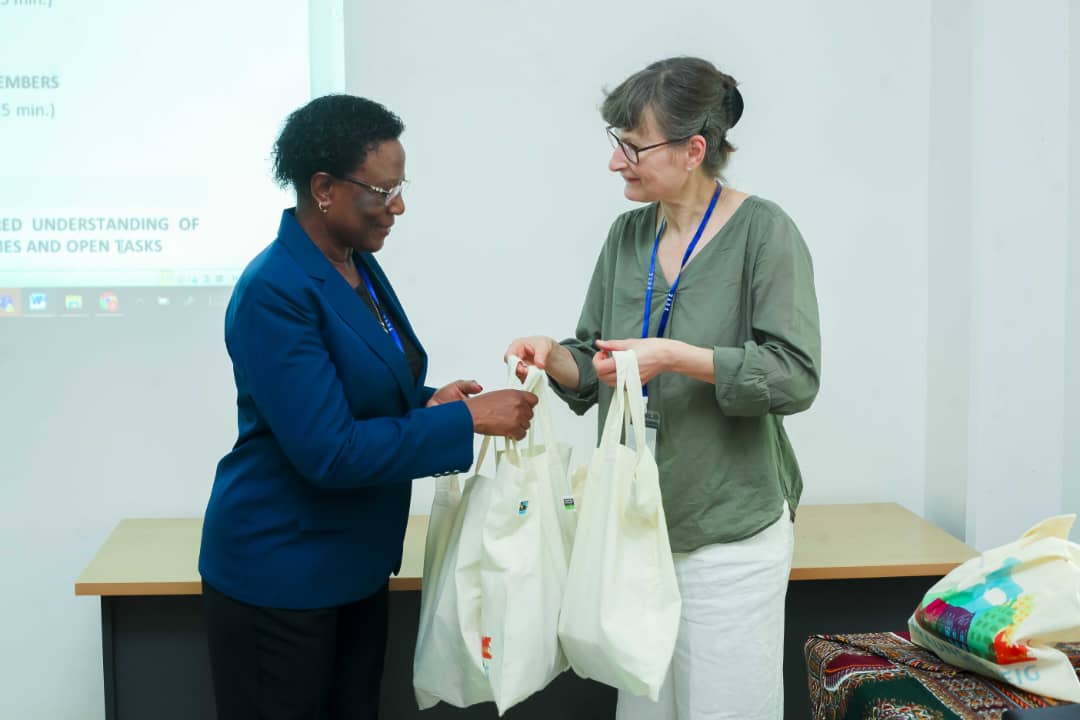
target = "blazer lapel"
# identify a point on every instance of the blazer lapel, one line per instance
(378, 277)
(350, 306)
(346, 301)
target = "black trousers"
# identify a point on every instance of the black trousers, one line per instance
(270, 664)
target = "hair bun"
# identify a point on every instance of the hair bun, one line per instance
(733, 104)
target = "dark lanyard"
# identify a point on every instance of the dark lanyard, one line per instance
(675, 285)
(379, 310)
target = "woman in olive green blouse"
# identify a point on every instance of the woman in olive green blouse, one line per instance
(737, 349)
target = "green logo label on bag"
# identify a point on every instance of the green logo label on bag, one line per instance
(522, 507)
(568, 503)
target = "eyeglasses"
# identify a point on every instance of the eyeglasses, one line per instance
(388, 196)
(632, 151)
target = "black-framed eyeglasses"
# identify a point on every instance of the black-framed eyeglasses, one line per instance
(632, 151)
(388, 195)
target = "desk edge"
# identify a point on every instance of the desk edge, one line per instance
(139, 588)
(189, 587)
(869, 572)
(413, 584)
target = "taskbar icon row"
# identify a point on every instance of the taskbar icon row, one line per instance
(107, 302)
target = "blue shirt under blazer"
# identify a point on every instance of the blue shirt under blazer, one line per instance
(309, 508)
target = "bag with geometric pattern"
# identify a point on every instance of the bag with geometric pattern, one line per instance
(1001, 613)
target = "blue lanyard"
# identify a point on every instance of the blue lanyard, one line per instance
(382, 313)
(675, 285)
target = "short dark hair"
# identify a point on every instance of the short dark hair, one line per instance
(331, 134)
(688, 96)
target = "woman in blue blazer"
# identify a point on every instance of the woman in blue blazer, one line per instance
(307, 514)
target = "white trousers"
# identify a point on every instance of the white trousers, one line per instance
(729, 654)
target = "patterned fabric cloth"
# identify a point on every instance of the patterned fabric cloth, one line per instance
(883, 676)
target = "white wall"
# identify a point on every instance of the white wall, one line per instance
(1003, 312)
(512, 198)
(947, 269)
(101, 420)
(950, 248)
(1019, 217)
(1070, 480)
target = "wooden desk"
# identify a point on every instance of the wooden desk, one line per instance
(876, 540)
(832, 542)
(856, 568)
(160, 556)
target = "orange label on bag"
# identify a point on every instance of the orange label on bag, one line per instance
(485, 647)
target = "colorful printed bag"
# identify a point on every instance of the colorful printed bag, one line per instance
(1001, 613)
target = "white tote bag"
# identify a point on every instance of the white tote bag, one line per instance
(447, 664)
(524, 566)
(620, 612)
(1002, 613)
(553, 468)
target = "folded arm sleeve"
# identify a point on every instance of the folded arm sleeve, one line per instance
(779, 370)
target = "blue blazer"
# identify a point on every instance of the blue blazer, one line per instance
(309, 507)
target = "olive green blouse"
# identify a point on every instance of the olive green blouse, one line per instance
(726, 465)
